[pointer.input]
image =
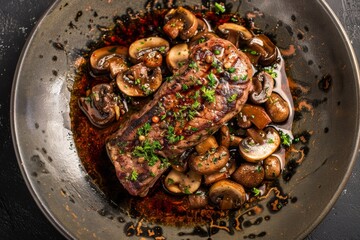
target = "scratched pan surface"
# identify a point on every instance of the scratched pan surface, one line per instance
(59, 184)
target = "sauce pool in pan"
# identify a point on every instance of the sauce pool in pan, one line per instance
(250, 148)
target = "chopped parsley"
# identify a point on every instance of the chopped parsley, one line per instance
(191, 114)
(144, 130)
(256, 191)
(212, 80)
(184, 87)
(134, 175)
(147, 151)
(162, 49)
(232, 98)
(187, 190)
(271, 70)
(219, 8)
(195, 105)
(172, 137)
(170, 181)
(231, 70)
(193, 65)
(208, 94)
(285, 139)
(137, 81)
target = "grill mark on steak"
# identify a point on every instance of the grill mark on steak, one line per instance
(216, 67)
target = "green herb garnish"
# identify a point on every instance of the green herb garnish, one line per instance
(232, 98)
(219, 8)
(208, 94)
(144, 130)
(256, 191)
(285, 139)
(212, 80)
(147, 151)
(134, 175)
(172, 137)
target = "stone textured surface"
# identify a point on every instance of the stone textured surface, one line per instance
(20, 218)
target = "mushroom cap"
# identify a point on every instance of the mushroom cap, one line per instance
(264, 85)
(99, 107)
(178, 182)
(255, 152)
(180, 22)
(227, 194)
(102, 58)
(265, 47)
(139, 81)
(177, 57)
(140, 47)
(249, 175)
(277, 108)
(211, 162)
(235, 33)
(272, 167)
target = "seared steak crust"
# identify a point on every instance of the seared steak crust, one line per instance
(209, 91)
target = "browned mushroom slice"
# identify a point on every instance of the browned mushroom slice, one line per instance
(262, 46)
(249, 175)
(139, 81)
(277, 108)
(149, 50)
(263, 87)
(223, 173)
(177, 57)
(180, 22)
(110, 58)
(256, 114)
(206, 145)
(255, 152)
(212, 161)
(227, 194)
(178, 182)
(235, 33)
(102, 106)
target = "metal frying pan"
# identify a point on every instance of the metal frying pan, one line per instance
(53, 171)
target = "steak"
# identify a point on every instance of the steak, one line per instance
(193, 104)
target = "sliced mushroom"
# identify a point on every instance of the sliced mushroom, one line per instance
(180, 22)
(272, 167)
(110, 58)
(206, 145)
(235, 33)
(249, 175)
(277, 108)
(212, 161)
(257, 115)
(178, 182)
(227, 194)
(263, 87)
(102, 106)
(223, 173)
(265, 48)
(198, 200)
(255, 152)
(149, 50)
(177, 57)
(139, 81)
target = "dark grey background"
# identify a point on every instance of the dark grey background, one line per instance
(20, 218)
